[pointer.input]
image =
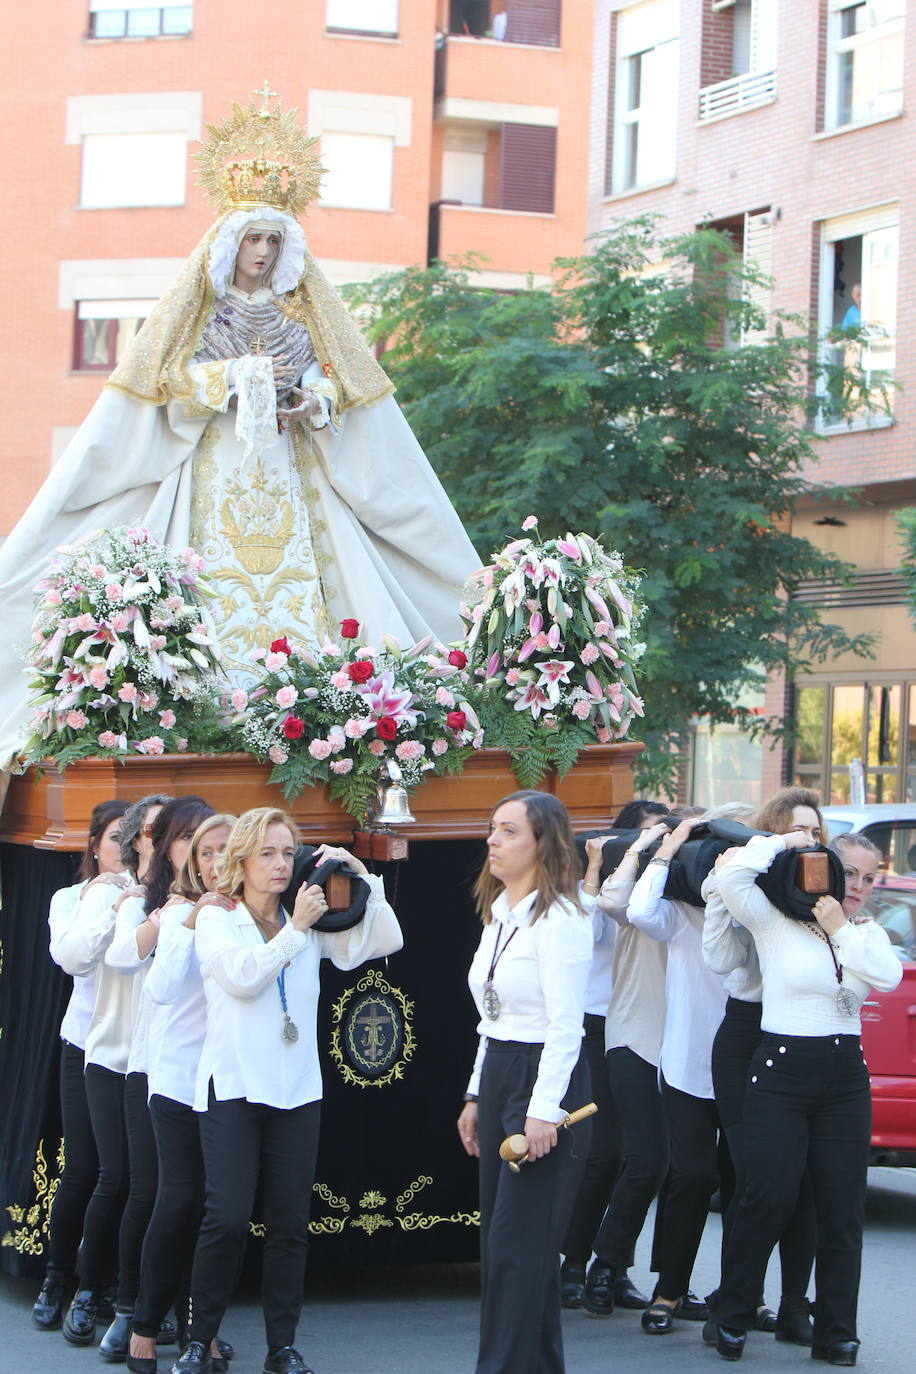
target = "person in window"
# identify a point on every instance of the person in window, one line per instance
(528, 980)
(250, 419)
(853, 317)
(808, 1101)
(258, 1084)
(81, 1167)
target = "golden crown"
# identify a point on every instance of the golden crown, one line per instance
(259, 156)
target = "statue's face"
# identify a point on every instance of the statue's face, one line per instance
(257, 254)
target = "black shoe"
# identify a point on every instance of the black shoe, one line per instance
(598, 1298)
(838, 1352)
(730, 1343)
(286, 1360)
(194, 1359)
(692, 1309)
(79, 1323)
(140, 1364)
(168, 1332)
(658, 1319)
(48, 1311)
(572, 1284)
(765, 1320)
(115, 1344)
(105, 1308)
(710, 1331)
(626, 1294)
(793, 1323)
(226, 1350)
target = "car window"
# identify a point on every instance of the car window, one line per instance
(837, 826)
(893, 901)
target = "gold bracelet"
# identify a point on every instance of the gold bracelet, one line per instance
(631, 850)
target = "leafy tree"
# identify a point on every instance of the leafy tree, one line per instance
(611, 401)
(906, 528)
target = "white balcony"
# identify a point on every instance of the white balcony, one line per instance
(736, 94)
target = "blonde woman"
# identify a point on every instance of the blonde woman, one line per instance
(259, 1081)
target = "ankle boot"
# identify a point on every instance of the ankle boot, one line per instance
(115, 1343)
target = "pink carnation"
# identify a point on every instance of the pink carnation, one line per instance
(589, 654)
(175, 603)
(154, 745)
(274, 661)
(286, 695)
(149, 701)
(477, 741)
(340, 679)
(76, 719)
(604, 736)
(108, 739)
(257, 655)
(119, 622)
(277, 754)
(157, 642)
(167, 719)
(97, 570)
(181, 745)
(337, 739)
(529, 522)
(353, 728)
(98, 678)
(439, 746)
(85, 621)
(128, 692)
(342, 766)
(410, 749)
(444, 697)
(376, 747)
(239, 701)
(581, 709)
(319, 749)
(512, 677)
(114, 591)
(52, 598)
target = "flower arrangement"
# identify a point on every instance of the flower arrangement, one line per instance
(124, 651)
(333, 715)
(550, 640)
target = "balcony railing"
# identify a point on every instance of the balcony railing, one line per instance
(737, 93)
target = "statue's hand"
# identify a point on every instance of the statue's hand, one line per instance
(309, 406)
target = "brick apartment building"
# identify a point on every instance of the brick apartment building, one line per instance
(447, 126)
(791, 125)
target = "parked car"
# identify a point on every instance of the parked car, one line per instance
(889, 1018)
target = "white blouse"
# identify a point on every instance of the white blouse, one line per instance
(244, 1051)
(600, 983)
(694, 995)
(178, 1018)
(799, 980)
(123, 955)
(540, 979)
(728, 948)
(82, 951)
(636, 1016)
(61, 914)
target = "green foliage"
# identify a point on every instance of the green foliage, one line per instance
(906, 528)
(610, 401)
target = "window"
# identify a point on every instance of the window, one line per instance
(645, 95)
(134, 146)
(838, 722)
(363, 16)
(359, 170)
(738, 63)
(103, 331)
(864, 60)
(858, 290)
(500, 167)
(752, 237)
(510, 21)
(136, 19)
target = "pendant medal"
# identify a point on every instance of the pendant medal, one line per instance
(490, 1002)
(290, 1031)
(847, 1002)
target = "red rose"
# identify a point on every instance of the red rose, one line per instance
(457, 659)
(293, 727)
(361, 670)
(456, 720)
(281, 646)
(349, 629)
(386, 728)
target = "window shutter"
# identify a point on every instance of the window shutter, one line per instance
(763, 36)
(527, 168)
(534, 21)
(758, 253)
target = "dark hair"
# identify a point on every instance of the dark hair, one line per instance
(638, 810)
(776, 814)
(175, 819)
(557, 866)
(101, 818)
(132, 824)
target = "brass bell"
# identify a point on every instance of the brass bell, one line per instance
(393, 803)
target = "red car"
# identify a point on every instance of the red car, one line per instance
(889, 1018)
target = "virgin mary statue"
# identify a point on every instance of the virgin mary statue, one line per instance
(250, 420)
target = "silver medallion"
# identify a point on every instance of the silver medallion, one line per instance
(847, 1002)
(290, 1031)
(490, 1002)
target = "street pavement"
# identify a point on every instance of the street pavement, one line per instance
(415, 1320)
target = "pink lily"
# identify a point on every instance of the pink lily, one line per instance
(553, 672)
(596, 691)
(553, 637)
(625, 604)
(598, 602)
(534, 699)
(570, 548)
(536, 623)
(384, 699)
(492, 667)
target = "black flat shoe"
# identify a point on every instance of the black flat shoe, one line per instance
(115, 1344)
(730, 1343)
(598, 1299)
(793, 1323)
(79, 1323)
(692, 1309)
(48, 1311)
(141, 1364)
(765, 1320)
(572, 1284)
(710, 1331)
(627, 1295)
(286, 1360)
(168, 1332)
(838, 1352)
(658, 1319)
(194, 1359)
(226, 1350)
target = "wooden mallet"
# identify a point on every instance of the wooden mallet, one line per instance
(514, 1149)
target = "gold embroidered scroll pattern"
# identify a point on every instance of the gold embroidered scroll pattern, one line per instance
(31, 1224)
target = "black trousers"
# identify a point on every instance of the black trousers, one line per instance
(736, 1041)
(693, 1176)
(240, 1141)
(523, 1216)
(168, 1247)
(81, 1167)
(105, 1099)
(644, 1138)
(605, 1158)
(808, 1105)
(143, 1165)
